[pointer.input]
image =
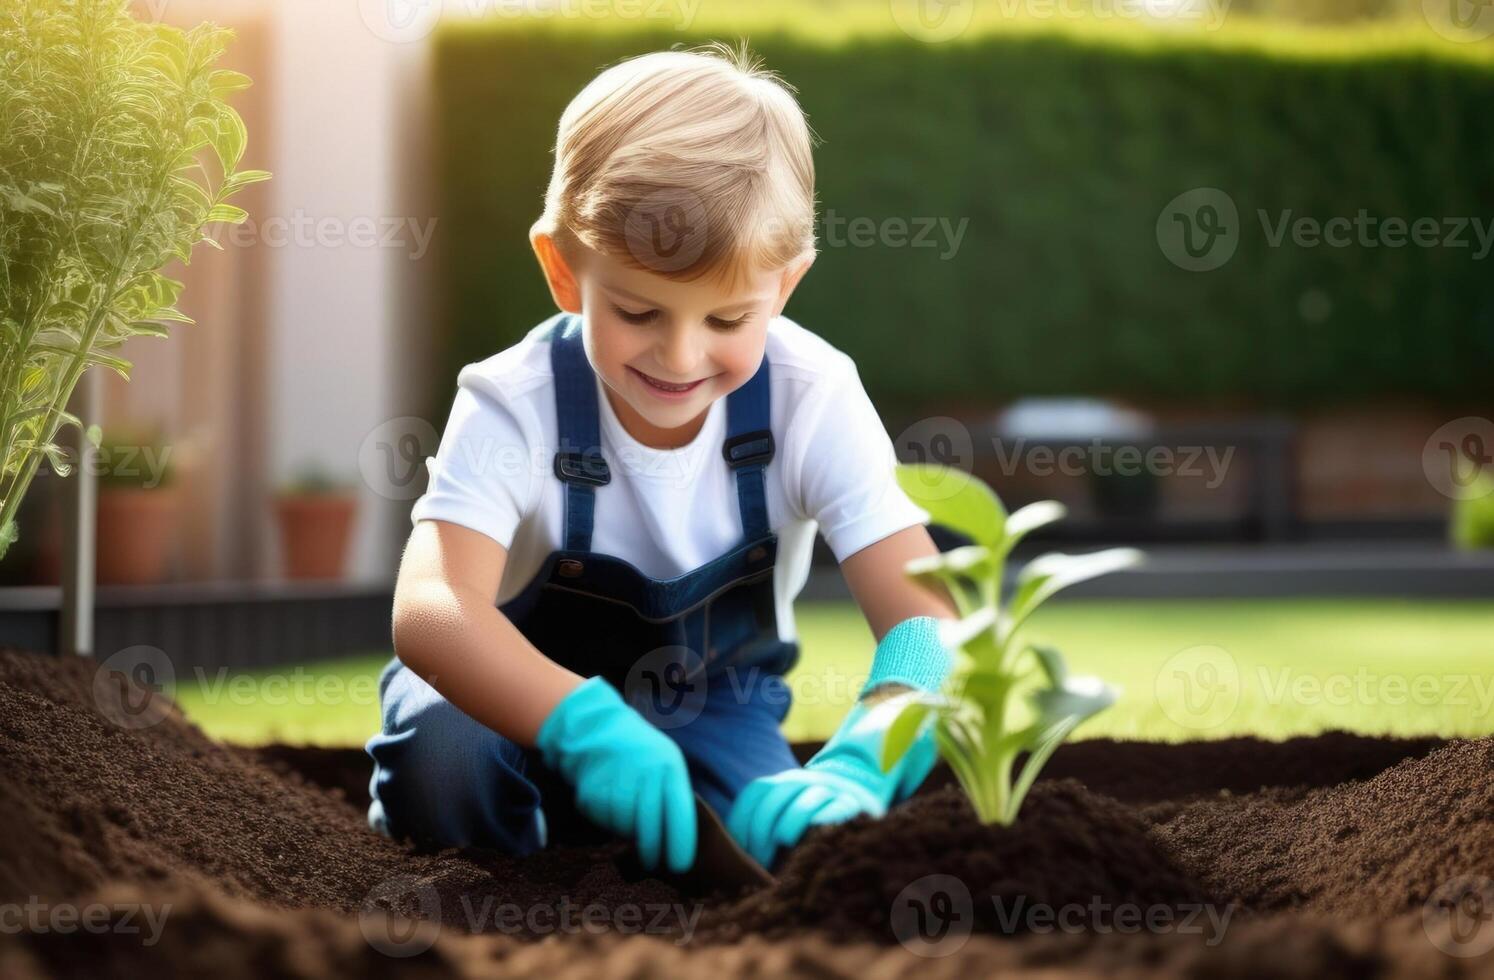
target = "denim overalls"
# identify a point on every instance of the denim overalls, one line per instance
(698, 655)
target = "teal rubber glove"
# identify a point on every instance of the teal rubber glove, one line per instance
(629, 777)
(845, 778)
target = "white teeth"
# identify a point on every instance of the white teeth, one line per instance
(667, 387)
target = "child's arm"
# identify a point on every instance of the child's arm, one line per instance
(845, 778)
(885, 593)
(448, 630)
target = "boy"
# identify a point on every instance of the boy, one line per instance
(638, 482)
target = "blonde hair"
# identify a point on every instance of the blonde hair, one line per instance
(685, 163)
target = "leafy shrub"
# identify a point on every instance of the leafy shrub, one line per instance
(102, 118)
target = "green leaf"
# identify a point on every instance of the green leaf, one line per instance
(193, 193)
(238, 180)
(8, 536)
(1077, 698)
(227, 212)
(958, 500)
(59, 462)
(1028, 519)
(224, 82)
(119, 365)
(1042, 748)
(912, 712)
(22, 203)
(973, 560)
(1049, 574)
(1051, 662)
(230, 138)
(957, 633)
(987, 688)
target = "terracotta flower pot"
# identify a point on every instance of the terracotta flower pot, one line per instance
(136, 534)
(314, 533)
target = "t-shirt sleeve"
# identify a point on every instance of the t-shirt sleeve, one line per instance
(847, 479)
(479, 477)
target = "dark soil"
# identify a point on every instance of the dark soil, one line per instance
(1322, 853)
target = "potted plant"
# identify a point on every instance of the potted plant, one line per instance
(1004, 698)
(138, 504)
(101, 186)
(315, 513)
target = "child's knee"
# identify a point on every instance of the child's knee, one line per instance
(447, 780)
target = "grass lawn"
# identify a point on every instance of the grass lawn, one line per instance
(1187, 669)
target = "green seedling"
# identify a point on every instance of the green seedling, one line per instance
(978, 720)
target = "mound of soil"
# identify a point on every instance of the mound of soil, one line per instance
(1375, 848)
(213, 935)
(268, 867)
(1071, 848)
(100, 789)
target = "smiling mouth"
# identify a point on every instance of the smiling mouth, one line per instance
(666, 386)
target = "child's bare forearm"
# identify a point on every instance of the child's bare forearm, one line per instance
(468, 650)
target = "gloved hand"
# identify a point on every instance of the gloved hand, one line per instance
(629, 777)
(845, 778)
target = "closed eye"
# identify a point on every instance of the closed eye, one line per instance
(647, 317)
(721, 324)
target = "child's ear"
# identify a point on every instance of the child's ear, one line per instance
(559, 276)
(791, 276)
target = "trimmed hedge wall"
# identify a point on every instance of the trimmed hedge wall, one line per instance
(1060, 153)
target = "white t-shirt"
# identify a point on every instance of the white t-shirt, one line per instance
(669, 511)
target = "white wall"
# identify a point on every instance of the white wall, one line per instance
(336, 309)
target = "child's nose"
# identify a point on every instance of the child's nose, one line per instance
(680, 354)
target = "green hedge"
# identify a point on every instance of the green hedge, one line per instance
(1061, 151)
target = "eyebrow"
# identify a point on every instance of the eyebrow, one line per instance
(648, 302)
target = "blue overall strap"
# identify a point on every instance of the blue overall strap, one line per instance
(749, 447)
(578, 461)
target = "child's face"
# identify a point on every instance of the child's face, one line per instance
(641, 326)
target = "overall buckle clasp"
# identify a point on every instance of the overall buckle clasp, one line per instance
(748, 448)
(589, 468)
